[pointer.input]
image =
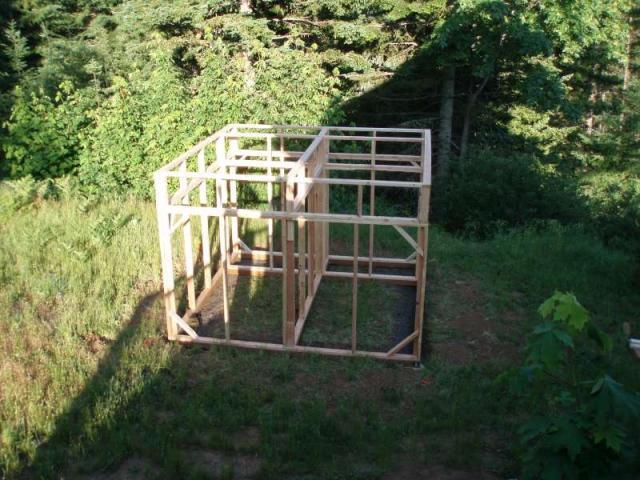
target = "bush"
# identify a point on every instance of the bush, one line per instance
(489, 191)
(613, 201)
(584, 422)
(138, 129)
(153, 116)
(43, 133)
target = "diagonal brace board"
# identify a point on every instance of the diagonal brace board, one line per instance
(409, 239)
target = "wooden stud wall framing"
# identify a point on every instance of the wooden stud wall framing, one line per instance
(303, 181)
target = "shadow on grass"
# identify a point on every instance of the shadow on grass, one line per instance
(171, 411)
(73, 427)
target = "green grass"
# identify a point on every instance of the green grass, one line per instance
(88, 381)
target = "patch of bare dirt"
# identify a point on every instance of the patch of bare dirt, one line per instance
(246, 440)
(216, 464)
(133, 468)
(96, 343)
(411, 471)
(467, 331)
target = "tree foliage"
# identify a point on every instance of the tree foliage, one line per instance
(547, 84)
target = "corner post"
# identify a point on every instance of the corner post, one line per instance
(421, 259)
(164, 232)
(221, 202)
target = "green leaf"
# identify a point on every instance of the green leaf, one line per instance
(533, 428)
(548, 345)
(601, 339)
(548, 305)
(567, 436)
(612, 436)
(564, 337)
(612, 400)
(565, 309)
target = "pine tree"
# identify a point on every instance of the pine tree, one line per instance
(16, 49)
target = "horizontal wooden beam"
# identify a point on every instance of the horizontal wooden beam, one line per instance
(395, 279)
(366, 157)
(276, 347)
(372, 168)
(388, 262)
(266, 153)
(262, 178)
(257, 126)
(261, 271)
(282, 215)
(345, 138)
(264, 164)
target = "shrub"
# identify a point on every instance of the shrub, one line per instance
(43, 133)
(488, 191)
(613, 201)
(582, 429)
(153, 116)
(138, 129)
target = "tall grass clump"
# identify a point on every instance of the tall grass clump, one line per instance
(74, 272)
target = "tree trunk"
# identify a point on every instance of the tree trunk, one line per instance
(245, 6)
(629, 63)
(466, 125)
(591, 118)
(631, 46)
(446, 119)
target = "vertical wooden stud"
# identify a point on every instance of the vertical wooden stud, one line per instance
(270, 202)
(188, 245)
(354, 297)
(222, 233)
(223, 259)
(166, 256)
(233, 194)
(324, 207)
(289, 271)
(281, 154)
(311, 233)
(372, 201)
(302, 254)
(283, 246)
(204, 223)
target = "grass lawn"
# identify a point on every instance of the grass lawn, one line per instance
(89, 388)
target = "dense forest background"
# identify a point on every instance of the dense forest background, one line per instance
(534, 105)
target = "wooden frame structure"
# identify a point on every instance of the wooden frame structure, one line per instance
(203, 183)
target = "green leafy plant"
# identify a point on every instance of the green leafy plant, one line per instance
(584, 421)
(43, 132)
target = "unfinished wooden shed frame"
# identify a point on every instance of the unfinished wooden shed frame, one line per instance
(202, 186)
